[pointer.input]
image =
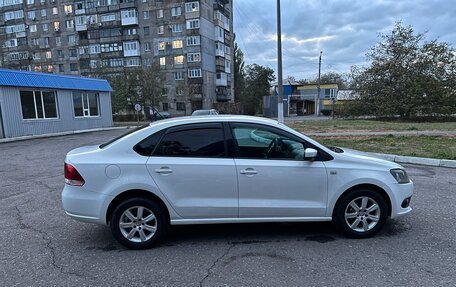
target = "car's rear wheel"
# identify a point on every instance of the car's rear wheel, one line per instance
(361, 213)
(138, 223)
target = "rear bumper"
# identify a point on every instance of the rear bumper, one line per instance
(84, 205)
(400, 193)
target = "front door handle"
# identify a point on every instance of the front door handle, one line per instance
(164, 170)
(248, 171)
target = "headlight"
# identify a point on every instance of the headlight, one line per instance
(400, 175)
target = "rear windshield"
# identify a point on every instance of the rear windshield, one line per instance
(121, 136)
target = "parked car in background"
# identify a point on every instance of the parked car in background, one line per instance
(159, 116)
(227, 169)
(205, 112)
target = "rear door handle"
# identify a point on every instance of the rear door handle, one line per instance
(164, 170)
(248, 171)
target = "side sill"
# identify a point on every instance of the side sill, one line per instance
(248, 220)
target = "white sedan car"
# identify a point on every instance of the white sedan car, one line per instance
(227, 169)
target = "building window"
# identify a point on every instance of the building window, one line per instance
(193, 24)
(165, 107)
(160, 30)
(55, 10)
(162, 61)
(176, 11)
(71, 39)
(106, 18)
(146, 31)
(38, 105)
(194, 73)
(193, 40)
(180, 106)
(74, 67)
(68, 9)
(147, 46)
(161, 45)
(132, 62)
(178, 60)
(146, 15)
(176, 28)
(86, 104)
(159, 13)
(178, 76)
(177, 44)
(193, 57)
(192, 7)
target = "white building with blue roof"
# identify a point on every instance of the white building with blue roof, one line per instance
(37, 103)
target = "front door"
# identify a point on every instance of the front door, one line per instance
(274, 179)
(191, 168)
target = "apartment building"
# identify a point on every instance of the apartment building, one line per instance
(191, 40)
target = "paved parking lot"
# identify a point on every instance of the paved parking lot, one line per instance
(41, 246)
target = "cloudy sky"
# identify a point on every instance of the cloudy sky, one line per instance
(343, 30)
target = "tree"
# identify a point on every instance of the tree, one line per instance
(239, 72)
(257, 84)
(341, 79)
(408, 76)
(150, 84)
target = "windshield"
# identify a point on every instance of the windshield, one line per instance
(121, 136)
(201, 113)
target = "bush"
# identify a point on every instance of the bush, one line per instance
(326, 112)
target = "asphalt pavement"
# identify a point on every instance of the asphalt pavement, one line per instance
(41, 246)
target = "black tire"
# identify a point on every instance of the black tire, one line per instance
(161, 223)
(343, 224)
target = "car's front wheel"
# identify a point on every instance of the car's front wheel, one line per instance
(361, 213)
(138, 223)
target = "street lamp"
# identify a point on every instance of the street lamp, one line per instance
(317, 98)
(279, 68)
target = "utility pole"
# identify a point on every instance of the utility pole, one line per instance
(317, 98)
(279, 68)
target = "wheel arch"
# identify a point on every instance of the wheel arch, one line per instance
(140, 193)
(369, 186)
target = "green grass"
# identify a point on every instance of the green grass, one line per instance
(420, 146)
(369, 125)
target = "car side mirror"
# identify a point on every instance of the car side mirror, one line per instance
(310, 154)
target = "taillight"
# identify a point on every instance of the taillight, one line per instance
(72, 176)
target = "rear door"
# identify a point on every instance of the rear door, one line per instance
(191, 167)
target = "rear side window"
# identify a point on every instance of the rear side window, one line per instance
(195, 142)
(147, 146)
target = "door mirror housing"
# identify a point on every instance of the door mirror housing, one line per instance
(310, 154)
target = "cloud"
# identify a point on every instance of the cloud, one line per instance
(343, 30)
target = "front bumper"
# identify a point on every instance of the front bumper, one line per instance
(400, 193)
(84, 205)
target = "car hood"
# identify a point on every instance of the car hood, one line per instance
(367, 158)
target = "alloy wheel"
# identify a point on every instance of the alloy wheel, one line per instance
(138, 224)
(362, 214)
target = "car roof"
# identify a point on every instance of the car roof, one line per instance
(213, 118)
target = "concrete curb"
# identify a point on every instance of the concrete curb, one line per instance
(23, 138)
(414, 160)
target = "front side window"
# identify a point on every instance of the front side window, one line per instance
(38, 104)
(86, 104)
(195, 142)
(262, 143)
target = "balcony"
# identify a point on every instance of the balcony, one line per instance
(223, 98)
(221, 80)
(81, 27)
